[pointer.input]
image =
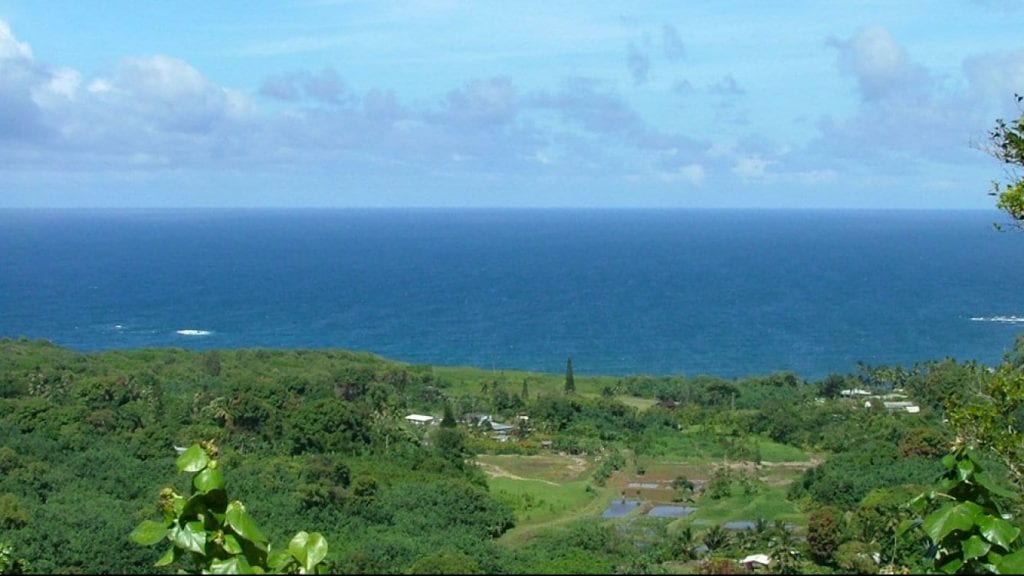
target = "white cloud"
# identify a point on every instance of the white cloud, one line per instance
(325, 87)
(152, 107)
(99, 86)
(905, 116)
(63, 84)
(10, 48)
(881, 66)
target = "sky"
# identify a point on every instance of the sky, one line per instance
(349, 103)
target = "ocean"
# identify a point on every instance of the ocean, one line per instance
(721, 292)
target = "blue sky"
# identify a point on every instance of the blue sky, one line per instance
(551, 104)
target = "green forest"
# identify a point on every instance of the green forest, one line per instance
(163, 460)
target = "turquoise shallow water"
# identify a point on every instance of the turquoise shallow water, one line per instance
(625, 291)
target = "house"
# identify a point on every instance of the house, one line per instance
(755, 561)
(903, 406)
(501, 431)
(475, 419)
(419, 419)
(909, 407)
(851, 392)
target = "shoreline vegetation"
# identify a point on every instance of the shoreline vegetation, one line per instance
(518, 472)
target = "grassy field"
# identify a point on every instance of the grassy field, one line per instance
(769, 503)
(548, 490)
(543, 491)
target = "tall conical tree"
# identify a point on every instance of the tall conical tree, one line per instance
(570, 382)
(448, 421)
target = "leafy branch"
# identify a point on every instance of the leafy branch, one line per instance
(211, 534)
(964, 521)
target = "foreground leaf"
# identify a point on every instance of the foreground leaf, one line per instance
(191, 537)
(208, 479)
(149, 532)
(231, 544)
(240, 521)
(233, 565)
(998, 531)
(975, 547)
(169, 557)
(193, 460)
(308, 549)
(1011, 563)
(949, 518)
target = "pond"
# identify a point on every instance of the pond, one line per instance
(619, 508)
(671, 511)
(740, 525)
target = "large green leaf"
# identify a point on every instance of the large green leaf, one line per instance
(951, 517)
(297, 546)
(280, 560)
(975, 547)
(208, 479)
(949, 460)
(1011, 563)
(984, 480)
(233, 565)
(190, 537)
(316, 551)
(998, 531)
(231, 544)
(148, 533)
(195, 506)
(308, 549)
(243, 524)
(193, 460)
(178, 506)
(168, 558)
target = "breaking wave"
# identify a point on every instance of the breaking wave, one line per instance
(1005, 319)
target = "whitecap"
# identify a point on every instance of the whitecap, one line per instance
(193, 332)
(1003, 319)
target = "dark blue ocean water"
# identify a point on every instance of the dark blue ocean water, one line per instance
(728, 293)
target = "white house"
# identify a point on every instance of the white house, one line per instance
(850, 392)
(419, 419)
(756, 561)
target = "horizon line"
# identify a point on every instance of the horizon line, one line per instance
(500, 208)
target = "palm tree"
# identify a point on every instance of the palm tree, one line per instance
(717, 538)
(683, 545)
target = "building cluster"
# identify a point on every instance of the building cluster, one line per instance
(895, 401)
(478, 421)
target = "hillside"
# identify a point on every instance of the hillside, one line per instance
(643, 473)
